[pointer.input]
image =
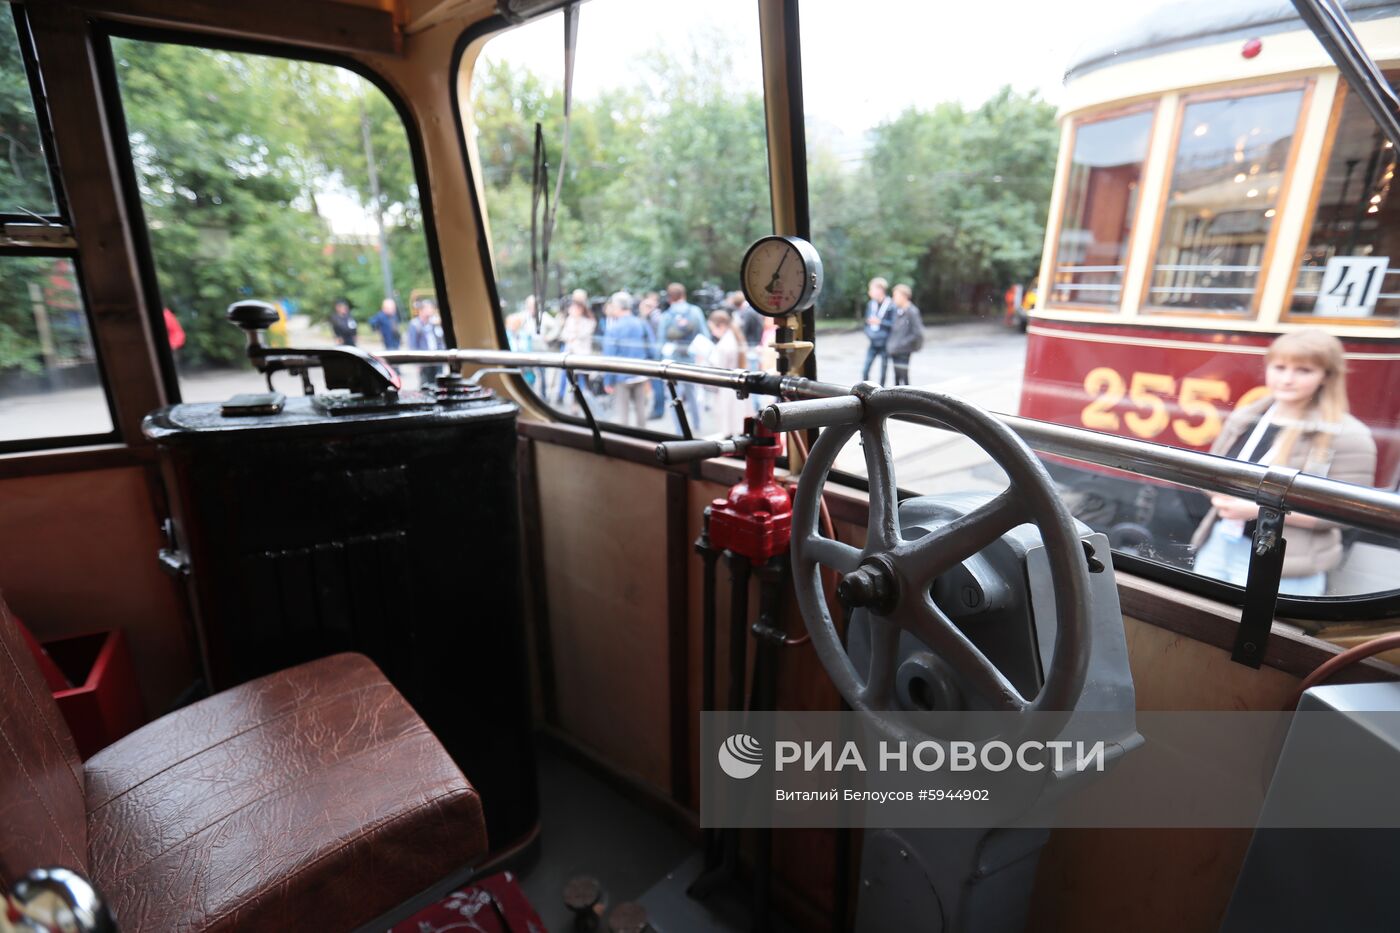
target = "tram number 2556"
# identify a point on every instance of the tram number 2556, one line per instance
(1149, 394)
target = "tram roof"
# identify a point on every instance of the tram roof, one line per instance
(1178, 24)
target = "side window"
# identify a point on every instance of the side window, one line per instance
(277, 179)
(1231, 155)
(1355, 226)
(1101, 200)
(51, 389)
(665, 185)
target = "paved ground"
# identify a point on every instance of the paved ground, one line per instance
(979, 361)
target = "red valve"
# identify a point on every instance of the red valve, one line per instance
(755, 521)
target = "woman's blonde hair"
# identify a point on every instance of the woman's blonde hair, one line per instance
(1329, 405)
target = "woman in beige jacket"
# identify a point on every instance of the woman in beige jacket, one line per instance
(1302, 423)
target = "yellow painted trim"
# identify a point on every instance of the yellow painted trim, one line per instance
(1055, 216)
(1121, 341)
(1204, 324)
(1293, 205)
(1151, 204)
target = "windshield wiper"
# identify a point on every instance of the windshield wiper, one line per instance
(1332, 28)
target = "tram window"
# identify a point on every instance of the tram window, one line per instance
(50, 383)
(1356, 215)
(1231, 157)
(929, 168)
(51, 389)
(24, 171)
(278, 179)
(666, 182)
(1100, 203)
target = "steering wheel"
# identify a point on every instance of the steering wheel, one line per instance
(892, 577)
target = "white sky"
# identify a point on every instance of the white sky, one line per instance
(864, 61)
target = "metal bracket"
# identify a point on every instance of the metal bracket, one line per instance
(792, 354)
(475, 378)
(1265, 569)
(679, 407)
(587, 412)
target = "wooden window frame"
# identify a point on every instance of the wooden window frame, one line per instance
(52, 95)
(1154, 106)
(1391, 71)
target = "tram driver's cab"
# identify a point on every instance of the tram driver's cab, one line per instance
(443, 482)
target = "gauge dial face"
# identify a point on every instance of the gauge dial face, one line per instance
(776, 277)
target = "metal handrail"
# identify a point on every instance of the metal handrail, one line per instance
(1370, 509)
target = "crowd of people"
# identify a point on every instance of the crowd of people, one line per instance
(656, 326)
(424, 330)
(652, 327)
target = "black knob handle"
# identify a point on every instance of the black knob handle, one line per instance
(252, 315)
(687, 451)
(691, 451)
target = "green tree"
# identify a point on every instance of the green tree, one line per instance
(963, 196)
(666, 180)
(24, 174)
(234, 154)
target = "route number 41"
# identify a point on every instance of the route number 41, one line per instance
(1351, 285)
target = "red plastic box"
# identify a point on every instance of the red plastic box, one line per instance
(103, 704)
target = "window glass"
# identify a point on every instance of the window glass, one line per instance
(1357, 218)
(930, 167)
(50, 385)
(666, 184)
(24, 172)
(282, 180)
(1101, 198)
(922, 170)
(1231, 155)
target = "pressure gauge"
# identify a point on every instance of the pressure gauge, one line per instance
(781, 275)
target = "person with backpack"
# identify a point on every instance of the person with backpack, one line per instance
(681, 323)
(906, 333)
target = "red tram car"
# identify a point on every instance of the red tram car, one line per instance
(1192, 223)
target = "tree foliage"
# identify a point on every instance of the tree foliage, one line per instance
(665, 181)
(233, 153)
(668, 181)
(24, 179)
(950, 200)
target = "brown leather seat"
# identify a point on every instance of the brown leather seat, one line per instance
(311, 799)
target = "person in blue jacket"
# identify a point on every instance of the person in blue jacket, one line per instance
(386, 323)
(879, 318)
(630, 337)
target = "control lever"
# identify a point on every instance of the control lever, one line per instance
(787, 417)
(343, 367)
(672, 452)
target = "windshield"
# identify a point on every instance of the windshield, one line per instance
(1139, 222)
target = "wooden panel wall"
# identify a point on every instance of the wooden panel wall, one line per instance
(78, 554)
(606, 556)
(603, 525)
(1157, 879)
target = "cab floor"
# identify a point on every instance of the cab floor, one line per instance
(588, 827)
